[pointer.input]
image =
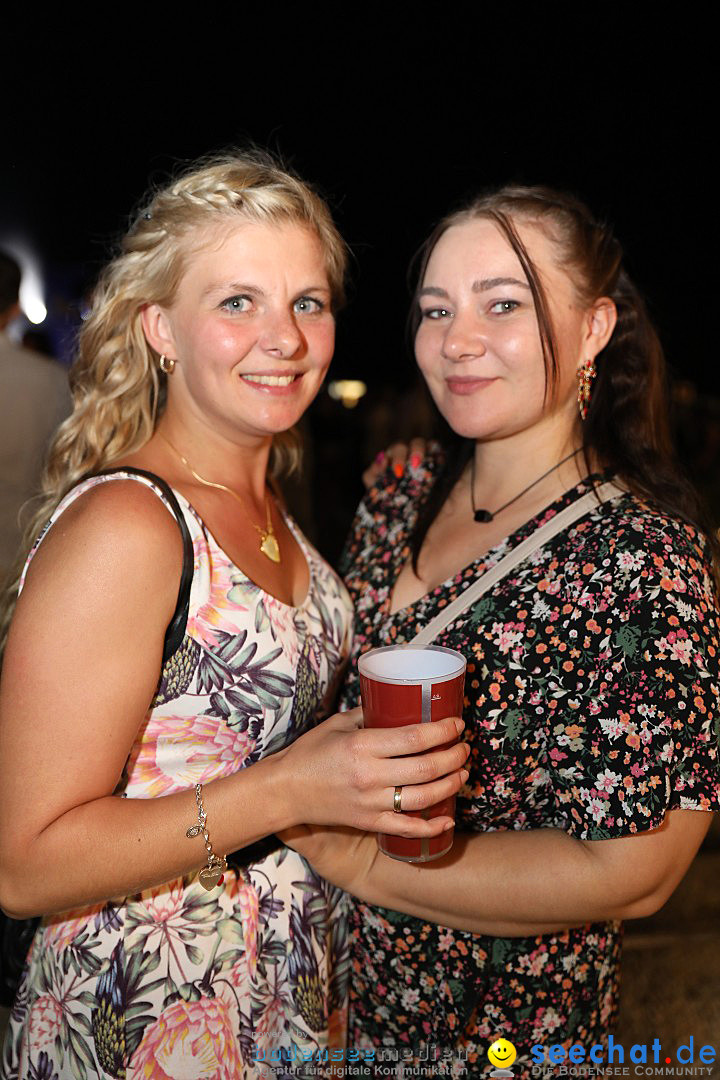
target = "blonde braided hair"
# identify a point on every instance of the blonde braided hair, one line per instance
(117, 387)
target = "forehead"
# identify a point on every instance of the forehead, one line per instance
(252, 249)
(480, 248)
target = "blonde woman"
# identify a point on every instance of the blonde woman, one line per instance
(173, 645)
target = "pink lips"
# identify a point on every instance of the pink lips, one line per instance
(466, 384)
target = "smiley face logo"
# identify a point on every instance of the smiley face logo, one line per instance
(502, 1053)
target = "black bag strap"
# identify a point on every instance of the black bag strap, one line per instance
(176, 627)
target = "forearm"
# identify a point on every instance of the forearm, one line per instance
(504, 883)
(516, 883)
(106, 846)
(112, 847)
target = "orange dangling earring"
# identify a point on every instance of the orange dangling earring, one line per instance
(585, 374)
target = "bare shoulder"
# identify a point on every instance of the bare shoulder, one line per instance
(117, 530)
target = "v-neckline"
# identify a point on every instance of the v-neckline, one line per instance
(297, 536)
(491, 556)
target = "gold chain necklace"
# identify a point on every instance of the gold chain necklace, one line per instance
(268, 540)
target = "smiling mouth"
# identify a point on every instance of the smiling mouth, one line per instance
(270, 380)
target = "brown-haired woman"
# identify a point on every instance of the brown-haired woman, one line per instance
(593, 681)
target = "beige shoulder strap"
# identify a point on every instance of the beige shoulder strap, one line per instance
(527, 547)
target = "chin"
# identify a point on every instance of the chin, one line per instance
(472, 428)
(488, 424)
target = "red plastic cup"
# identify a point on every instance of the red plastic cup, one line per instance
(412, 684)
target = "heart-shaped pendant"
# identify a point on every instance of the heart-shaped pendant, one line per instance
(270, 547)
(210, 876)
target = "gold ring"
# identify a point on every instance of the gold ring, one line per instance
(397, 801)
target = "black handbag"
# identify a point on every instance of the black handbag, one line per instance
(15, 939)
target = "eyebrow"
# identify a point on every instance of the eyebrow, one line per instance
(477, 286)
(233, 287)
(491, 283)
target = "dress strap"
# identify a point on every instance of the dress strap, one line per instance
(176, 627)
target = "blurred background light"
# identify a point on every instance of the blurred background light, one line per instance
(32, 289)
(349, 391)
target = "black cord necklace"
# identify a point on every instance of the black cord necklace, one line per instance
(483, 516)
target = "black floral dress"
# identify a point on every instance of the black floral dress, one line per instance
(591, 706)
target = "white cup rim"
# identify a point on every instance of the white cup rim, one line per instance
(412, 680)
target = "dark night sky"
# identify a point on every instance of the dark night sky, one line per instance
(394, 129)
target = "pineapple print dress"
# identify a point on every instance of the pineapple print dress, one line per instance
(246, 981)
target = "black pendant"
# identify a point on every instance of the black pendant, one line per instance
(483, 516)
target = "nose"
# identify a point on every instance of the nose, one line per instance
(280, 335)
(464, 338)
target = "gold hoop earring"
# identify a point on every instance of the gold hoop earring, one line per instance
(167, 364)
(585, 375)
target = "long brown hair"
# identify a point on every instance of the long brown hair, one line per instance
(627, 428)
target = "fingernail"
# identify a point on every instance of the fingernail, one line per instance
(450, 825)
(398, 469)
(464, 775)
(415, 460)
(380, 458)
(459, 724)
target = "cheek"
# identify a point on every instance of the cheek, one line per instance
(209, 342)
(426, 350)
(321, 344)
(227, 343)
(523, 359)
(519, 347)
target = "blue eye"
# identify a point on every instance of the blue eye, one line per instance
(504, 306)
(308, 305)
(237, 303)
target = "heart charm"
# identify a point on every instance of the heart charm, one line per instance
(210, 876)
(270, 547)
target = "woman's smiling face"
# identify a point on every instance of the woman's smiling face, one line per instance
(478, 344)
(251, 328)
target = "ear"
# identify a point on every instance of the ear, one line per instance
(158, 331)
(600, 323)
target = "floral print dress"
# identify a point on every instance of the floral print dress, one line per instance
(178, 982)
(591, 706)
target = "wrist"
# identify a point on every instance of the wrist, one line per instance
(350, 864)
(280, 792)
(364, 864)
